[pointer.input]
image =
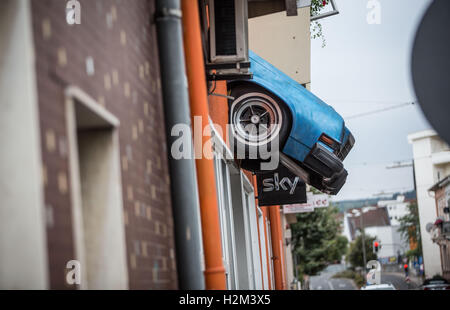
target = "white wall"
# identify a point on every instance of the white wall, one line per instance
(384, 235)
(396, 209)
(390, 240)
(23, 248)
(346, 231)
(284, 41)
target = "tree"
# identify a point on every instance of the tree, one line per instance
(336, 248)
(355, 253)
(410, 229)
(317, 240)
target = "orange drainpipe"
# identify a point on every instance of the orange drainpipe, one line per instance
(253, 178)
(214, 270)
(277, 246)
(218, 108)
(266, 240)
(259, 243)
(283, 251)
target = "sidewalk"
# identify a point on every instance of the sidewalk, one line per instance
(416, 281)
(394, 270)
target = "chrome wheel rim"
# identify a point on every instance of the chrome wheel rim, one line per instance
(256, 119)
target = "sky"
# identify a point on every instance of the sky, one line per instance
(366, 67)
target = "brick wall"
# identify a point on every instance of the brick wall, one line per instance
(120, 38)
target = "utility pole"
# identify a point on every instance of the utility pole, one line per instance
(361, 223)
(363, 239)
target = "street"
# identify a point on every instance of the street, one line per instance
(324, 280)
(398, 281)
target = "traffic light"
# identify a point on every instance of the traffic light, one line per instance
(376, 246)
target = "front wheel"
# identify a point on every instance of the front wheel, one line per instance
(259, 124)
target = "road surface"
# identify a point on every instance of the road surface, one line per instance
(324, 280)
(398, 281)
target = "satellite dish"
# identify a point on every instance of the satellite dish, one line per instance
(429, 227)
(431, 66)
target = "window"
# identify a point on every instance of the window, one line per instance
(247, 245)
(226, 222)
(239, 231)
(446, 260)
(253, 230)
(97, 205)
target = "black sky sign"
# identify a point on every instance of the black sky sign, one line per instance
(280, 187)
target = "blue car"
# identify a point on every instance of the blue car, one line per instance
(273, 107)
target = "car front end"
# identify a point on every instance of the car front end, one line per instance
(325, 163)
(318, 141)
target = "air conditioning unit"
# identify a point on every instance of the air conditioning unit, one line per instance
(228, 39)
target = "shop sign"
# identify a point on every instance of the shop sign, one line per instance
(280, 187)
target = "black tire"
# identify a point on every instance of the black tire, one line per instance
(249, 152)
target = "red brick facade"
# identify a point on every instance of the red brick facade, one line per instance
(120, 38)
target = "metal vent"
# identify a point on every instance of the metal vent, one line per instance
(225, 22)
(228, 37)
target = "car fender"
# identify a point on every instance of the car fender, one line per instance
(311, 117)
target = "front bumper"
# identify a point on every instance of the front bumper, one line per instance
(327, 172)
(346, 147)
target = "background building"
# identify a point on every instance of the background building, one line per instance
(441, 230)
(396, 208)
(431, 164)
(376, 223)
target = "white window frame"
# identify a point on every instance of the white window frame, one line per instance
(254, 261)
(235, 199)
(112, 273)
(226, 222)
(333, 12)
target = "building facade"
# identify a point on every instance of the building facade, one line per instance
(397, 208)
(376, 223)
(99, 178)
(431, 164)
(441, 228)
(85, 173)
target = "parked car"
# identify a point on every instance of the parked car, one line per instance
(436, 283)
(382, 287)
(274, 107)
